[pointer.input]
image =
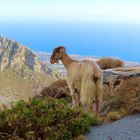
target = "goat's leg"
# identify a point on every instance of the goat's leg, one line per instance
(75, 102)
(99, 95)
(75, 98)
(97, 105)
(90, 109)
(78, 93)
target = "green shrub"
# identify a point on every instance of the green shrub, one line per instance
(48, 118)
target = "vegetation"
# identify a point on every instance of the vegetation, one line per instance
(129, 92)
(58, 89)
(112, 116)
(59, 83)
(108, 63)
(124, 101)
(44, 118)
(53, 119)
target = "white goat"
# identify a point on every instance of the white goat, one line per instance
(84, 79)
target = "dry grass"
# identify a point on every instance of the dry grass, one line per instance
(81, 137)
(59, 83)
(58, 89)
(55, 92)
(14, 87)
(125, 101)
(108, 63)
(113, 116)
(129, 91)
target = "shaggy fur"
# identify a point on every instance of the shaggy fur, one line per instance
(84, 79)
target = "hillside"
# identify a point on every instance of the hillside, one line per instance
(22, 73)
(14, 87)
(20, 59)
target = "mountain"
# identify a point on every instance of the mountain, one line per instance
(19, 58)
(22, 73)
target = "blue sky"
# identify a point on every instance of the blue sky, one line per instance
(86, 27)
(71, 10)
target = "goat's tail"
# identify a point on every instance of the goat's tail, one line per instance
(88, 89)
(91, 90)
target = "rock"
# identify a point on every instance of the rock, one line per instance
(113, 77)
(13, 55)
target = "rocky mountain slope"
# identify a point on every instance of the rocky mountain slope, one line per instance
(20, 59)
(22, 73)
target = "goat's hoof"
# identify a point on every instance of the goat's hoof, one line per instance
(94, 114)
(97, 115)
(75, 106)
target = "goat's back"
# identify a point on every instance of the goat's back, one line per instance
(77, 70)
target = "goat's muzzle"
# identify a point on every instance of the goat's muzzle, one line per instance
(52, 61)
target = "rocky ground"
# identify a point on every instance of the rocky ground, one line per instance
(128, 128)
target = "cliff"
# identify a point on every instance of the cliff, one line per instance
(22, 73)
(19, 58)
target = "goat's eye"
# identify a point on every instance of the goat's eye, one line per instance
(56, 54)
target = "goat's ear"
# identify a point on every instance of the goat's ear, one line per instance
(62, 49)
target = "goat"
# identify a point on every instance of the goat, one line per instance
(84, 79)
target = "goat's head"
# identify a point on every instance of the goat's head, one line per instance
(57, 54)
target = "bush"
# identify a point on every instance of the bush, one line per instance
(129, 91)
(59, 83)
(113, 116)
(108, 63)
(44, 118)
(58, 89)
(125, 101)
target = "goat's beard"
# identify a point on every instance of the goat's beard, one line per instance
(57, 61)
(54, 61)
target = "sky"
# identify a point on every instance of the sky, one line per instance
(86, 27)
(121, 11)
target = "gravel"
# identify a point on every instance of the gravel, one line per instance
(127, 128)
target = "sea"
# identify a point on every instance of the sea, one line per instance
(88, 39)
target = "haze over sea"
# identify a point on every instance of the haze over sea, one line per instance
(90, 28)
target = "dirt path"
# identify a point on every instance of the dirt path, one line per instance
(127, 128)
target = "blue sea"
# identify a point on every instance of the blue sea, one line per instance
(89, 39)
